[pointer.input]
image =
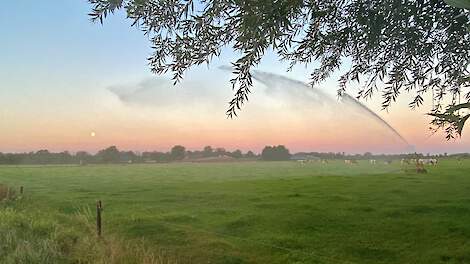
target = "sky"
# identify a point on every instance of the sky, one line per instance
(64, 78)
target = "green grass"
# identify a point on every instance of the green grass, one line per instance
(266, 212)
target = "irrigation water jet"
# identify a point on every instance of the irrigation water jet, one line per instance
(271, 81)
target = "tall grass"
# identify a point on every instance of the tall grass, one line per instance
(6, 193)
(37, 237)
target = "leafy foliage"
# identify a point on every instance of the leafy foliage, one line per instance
(393, 46)
(451, 120)
(459, 3)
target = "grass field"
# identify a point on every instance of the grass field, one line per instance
(265, 212)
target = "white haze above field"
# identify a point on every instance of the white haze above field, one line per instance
(280, 111)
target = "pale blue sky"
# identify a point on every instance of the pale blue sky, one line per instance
(51, 46)
(55, 39)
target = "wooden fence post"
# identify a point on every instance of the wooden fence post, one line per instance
(98, 218)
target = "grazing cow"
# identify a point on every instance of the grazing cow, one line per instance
(388, 162)
(324, 161)
(347, 161)
(420, 168)
(372, 161)
(405, 161)
(302, 162)
(428, 161)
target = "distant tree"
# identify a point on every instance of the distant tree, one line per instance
(42, 156)
(178, 152)
(207, 152)
(250, 154)
(220, 151)
(147, 156)
(267, 153)
(15, 158)
(392, 46)
(275, 153)
(128, 156)
(83, 157)
(108, 155)
(156, 156)
(64, 157)
(236, 154)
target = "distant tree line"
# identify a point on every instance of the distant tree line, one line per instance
(180, 153)
(114, 155)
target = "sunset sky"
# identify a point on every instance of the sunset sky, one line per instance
(63, 78)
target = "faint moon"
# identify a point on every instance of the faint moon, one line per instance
(93, 134)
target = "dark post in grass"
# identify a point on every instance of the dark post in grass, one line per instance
(98, 217)
(21, 190)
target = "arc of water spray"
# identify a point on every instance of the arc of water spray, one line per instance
(349, 99)
(270, 78)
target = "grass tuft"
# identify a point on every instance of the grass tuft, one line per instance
(37, 237)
